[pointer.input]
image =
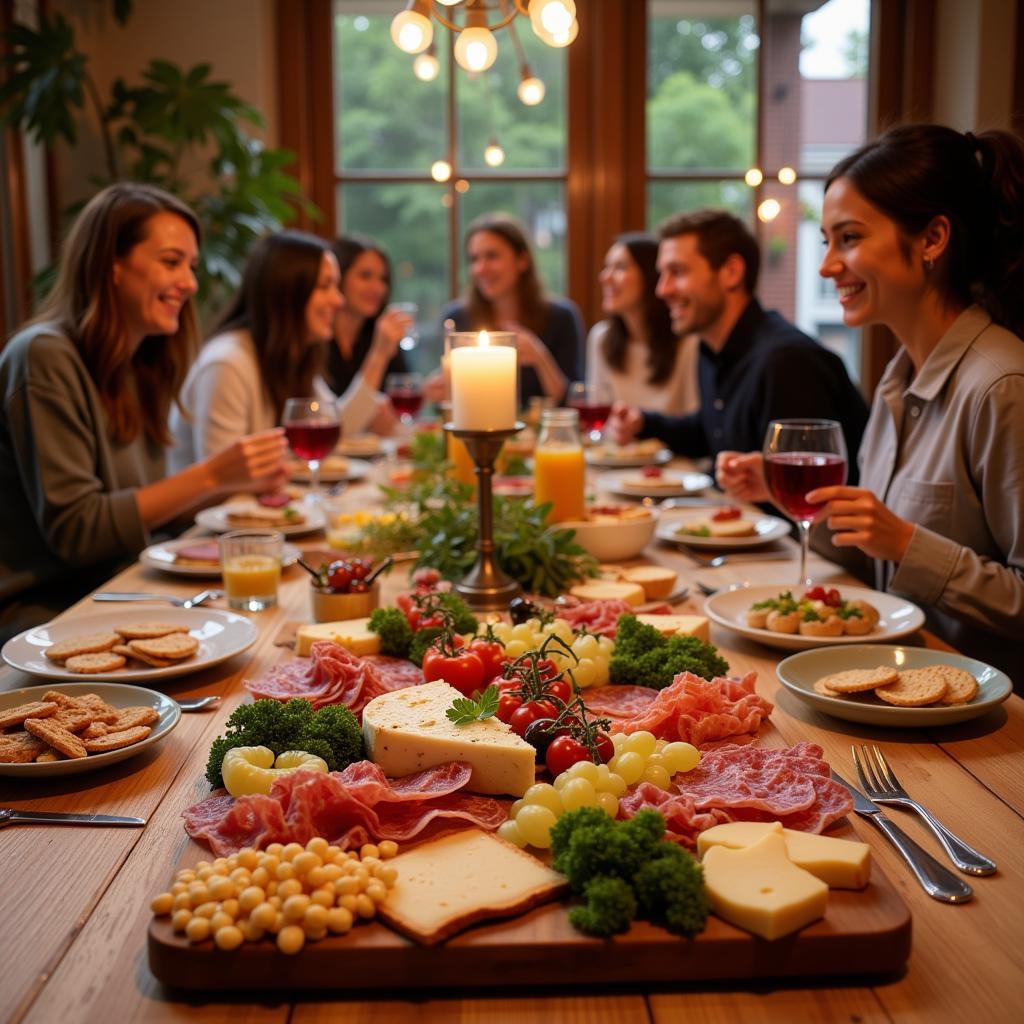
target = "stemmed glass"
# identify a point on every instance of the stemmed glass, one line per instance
(411, 337)
(406, 393)
(313, 429)
(800, 456)
(594, 404)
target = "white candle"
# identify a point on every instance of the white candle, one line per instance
(483, 386)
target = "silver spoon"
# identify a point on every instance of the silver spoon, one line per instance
(197, 703)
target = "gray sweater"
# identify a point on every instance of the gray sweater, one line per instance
(67, 492)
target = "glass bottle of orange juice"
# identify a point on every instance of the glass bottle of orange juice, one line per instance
(558, 468)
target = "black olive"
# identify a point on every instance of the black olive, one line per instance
(539, 735)
(519, 609)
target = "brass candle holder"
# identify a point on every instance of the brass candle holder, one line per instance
(485, 586)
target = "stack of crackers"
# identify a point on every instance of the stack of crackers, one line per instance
(156, 644)
(58, 727)
(909, 688)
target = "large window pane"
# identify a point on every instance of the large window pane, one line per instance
(665, 198)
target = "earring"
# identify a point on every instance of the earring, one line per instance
(929, 263)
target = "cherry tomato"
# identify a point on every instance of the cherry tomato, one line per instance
(547, 669)
(559, 688)
(358, 587)
(491, 653)
(464, 671)
(563, 753)
(725, 514)
(525, 716)
(652, 472)
(540, 735)
(815, 594)
(832, 598)
(339, 576)
(507, 706)
(605, 747)
(360, 570)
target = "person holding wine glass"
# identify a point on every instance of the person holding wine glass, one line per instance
(506, 294)
(922, 234)
(85, 390)
(634, 354)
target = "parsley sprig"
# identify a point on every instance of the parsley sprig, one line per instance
(465, 710)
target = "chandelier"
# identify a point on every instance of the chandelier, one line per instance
(476, 46)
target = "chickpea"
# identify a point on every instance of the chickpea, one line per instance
(207, 909)
(293, 887)
(220, 920)
(365, 907)
(291, 851)
(315, 918)
(377, 891)
(263, 915)
(251, 897)
(291, 939)
(323, 897)
(251, 930)
(163, 904)
(339, 920)
(228, 937)
(318, 845)
(230, 907)
(182, 902)
(388, 848)
(305, 862)
(295, 907)
(180, 919)
(197, 929)
(387, 874)
(346, 885)
(368, 850)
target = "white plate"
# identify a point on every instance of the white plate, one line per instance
(729, 608)
(117, 696)
(768, 528)
(601, 458)
(162, 557)
(355, 469)
(364, 446)
(799, 672)
(682, 484)
(221, 635)
(215, 518)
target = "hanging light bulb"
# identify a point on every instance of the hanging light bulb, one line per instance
(440, 170)
(426, 67)
(551, 17)
(531, 88)
(564, 37)
(412, 30)
(494, 155)
(754, 177)
(769, 210)
(476, 49)
(787, 175)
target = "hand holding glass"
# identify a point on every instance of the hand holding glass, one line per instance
(799, 456)
(312, 429)
(411, 338)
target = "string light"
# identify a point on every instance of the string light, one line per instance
(754, 177)
(412, 31)
(787, 175)
(426, 67)
(440, 170)
(769, 210)
(494, 155)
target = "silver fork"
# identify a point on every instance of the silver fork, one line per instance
(881, 784)
(181, 602)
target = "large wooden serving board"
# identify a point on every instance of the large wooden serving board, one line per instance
(865, 932)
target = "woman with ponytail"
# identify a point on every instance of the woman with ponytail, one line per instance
(923, 234)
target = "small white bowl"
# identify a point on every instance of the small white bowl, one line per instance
(615, 539)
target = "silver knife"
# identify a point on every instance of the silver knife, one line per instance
(9, 816)
(936, 880)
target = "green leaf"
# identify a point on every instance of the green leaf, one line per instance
(465, 710)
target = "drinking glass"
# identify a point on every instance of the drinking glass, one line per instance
(412, 336)
(406, 393)
(313, 429)
(799, 456)
(594, 404)
(251, 567)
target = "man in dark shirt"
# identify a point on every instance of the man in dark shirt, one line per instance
(754, 366)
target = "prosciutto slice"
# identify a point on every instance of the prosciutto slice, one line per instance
(619, 703)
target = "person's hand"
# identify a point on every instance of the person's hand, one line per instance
(859, 520)
(385, 419)
(741, 476)
(252, 463)
(392, 326)
(624, 423)
(433, 387)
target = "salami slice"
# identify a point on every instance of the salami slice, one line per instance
(619, 703)
(395, 673)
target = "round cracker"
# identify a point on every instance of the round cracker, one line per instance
(914, 688)
(961, 686)
(855, 680)
(105, 661)
(175, 646)
(822, 687)
(148, 630)
(89, 643)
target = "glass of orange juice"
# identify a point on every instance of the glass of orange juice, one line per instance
(251, 566)
(558, 467)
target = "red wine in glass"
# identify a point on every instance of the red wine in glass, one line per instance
(593, 415)
(407, 402)
(312, 440)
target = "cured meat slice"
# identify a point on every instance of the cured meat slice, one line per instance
(619, 703)
(395, 673)
(596, 616)
(701, 711)
(208, 551)
(367, 779)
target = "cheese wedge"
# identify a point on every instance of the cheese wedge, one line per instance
(657, 582)
(839, 863)
(407, 731)
(761, 890)
(354, 634)
(687, 625)
(450, 883)
(609, 590)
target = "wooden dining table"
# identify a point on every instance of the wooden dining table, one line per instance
(74, 901)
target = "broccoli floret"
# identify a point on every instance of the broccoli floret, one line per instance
(586, 843)
(394, 630)
(331, 733)
(646, 658)
(610, 907)
(670, 891)
(421, 640)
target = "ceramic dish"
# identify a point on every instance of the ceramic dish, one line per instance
(221, 635)
(729, 607)
(115, 694)
(611, 540)
(162, 557)
(215, 518)
(602, 457)
(767, 529)
(799, 672)
(670, 485)
(333, 470)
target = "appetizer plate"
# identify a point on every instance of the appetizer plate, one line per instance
(767, 529)
(215, 519)
(162, 557)
(729, 607)
(115, 694)
(670, 485)
(221, 635)
(602, 457)
(333, 470)
(799, 672)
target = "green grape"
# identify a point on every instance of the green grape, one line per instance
(657, 776)
(583, 770)
(534, 824)
(511, 833)
(609, 803)
(514, 648)
(578, 792)
(641, 743)
(544, 795)
(630, 765)
(681, 757)
(516, 807)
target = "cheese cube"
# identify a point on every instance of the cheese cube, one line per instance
(656, 580)
(609, 590)
(839, 863)
(761, 890)
(408, 730)
(685, 625)
(354, 634)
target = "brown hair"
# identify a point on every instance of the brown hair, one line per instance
(347, 249)
(533, 302)
(662, 344)
(84, 304)
(279, 277)
(719, 235)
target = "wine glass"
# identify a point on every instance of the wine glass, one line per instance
(594, 404)
(411, 337)
(800, 456)
(406, 393)
(313, 429)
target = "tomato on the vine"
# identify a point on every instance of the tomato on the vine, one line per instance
(491, 653)
(461, 669)
(605, 747)
(522, 718)
(563, 753)
(507, 705)
(558, 688)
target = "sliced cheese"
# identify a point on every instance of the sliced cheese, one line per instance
(408, 730)
(657, 582)
(450, 883)
(761, 890)
(839, 863)
(354, 634)
(609, 590)
(687, 625)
